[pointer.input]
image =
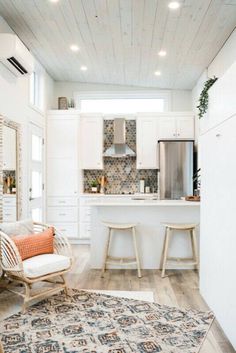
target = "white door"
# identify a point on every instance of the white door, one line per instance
(147, 143)
(36, 186)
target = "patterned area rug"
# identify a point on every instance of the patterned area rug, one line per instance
(89, 322)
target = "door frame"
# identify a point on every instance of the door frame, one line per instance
(42, 127)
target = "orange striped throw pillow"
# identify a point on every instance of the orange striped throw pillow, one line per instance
(35, 244)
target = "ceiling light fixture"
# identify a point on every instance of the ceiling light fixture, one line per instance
(74, 47)
(162, 53)
(157, 73)
(83, 68)
(174, 5)
(54, 0)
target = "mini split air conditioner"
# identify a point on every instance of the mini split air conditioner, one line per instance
(14, 55)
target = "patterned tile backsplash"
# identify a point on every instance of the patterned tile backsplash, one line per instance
(121, 173)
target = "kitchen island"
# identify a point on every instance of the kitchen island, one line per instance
(148, 214)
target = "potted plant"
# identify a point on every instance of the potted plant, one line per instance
(94, 186)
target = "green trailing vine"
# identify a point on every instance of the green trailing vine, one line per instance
(204, 97)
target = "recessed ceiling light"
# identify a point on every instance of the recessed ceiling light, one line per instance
(157, 73)
(74, 47)
(54, 0)
(162, 53)
(173, 5)
(83, 68)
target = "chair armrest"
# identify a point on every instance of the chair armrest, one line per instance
(10, 258)
(62, 245)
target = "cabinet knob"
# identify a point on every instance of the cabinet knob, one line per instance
(218, 135)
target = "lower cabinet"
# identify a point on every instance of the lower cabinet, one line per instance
(72, 217)
(9, 208)
(63, 214)
(70, 230)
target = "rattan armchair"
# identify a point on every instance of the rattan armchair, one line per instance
(13, 266)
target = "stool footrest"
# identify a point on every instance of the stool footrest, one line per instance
(179, 261)
(121, 260)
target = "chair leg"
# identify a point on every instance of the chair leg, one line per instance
(1, 348)
(166, 247)
(26, 296)
(136, 252)
(106, 252)
(64, 282)
(195, 247)
(163, 248)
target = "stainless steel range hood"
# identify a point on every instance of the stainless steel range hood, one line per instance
(119, 148)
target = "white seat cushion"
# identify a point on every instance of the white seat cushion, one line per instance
(42, 265)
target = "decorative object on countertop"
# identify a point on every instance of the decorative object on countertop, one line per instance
(122, 173)
(94, 186)
(102, 182)
(62, 103)
(120, 261)
(169, 232)
(142, 186)
(195, 198)
(71, 104)
(95, 322)
(204, 97)
(147, 186)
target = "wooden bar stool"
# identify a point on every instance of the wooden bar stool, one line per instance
(122, 261)
(169, 230)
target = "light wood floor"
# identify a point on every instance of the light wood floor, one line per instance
(179, 289)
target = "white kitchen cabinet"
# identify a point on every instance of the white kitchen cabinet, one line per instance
(176, 128)
(62, 177)
(63, 171)
(91, 141)
(146, 142)
(9, 148)
(9, 208)
(218, 241)
(62, 136)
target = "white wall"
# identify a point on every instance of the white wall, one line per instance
(14, 105)
(181, 100)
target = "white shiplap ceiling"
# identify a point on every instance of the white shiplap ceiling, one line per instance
(119, 39)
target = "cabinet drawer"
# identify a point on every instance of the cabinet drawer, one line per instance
(9, 201)
(9, 214)
(85, 214)
(61, 214)
(62, 201)
(69, 230)
(85, 230)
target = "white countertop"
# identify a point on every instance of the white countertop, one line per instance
(119, 201)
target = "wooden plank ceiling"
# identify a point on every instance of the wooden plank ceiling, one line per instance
(119, 40)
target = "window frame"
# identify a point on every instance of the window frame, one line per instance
(38, 101)
(84, 95)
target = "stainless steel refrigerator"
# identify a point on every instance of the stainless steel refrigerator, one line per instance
(176, 169)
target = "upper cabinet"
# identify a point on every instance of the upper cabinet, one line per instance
(176, 128)
(91, 141)
(151, 128)
(146, 142)
(62, 136)
(9, 148)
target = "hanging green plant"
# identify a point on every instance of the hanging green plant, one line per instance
(204, 97)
